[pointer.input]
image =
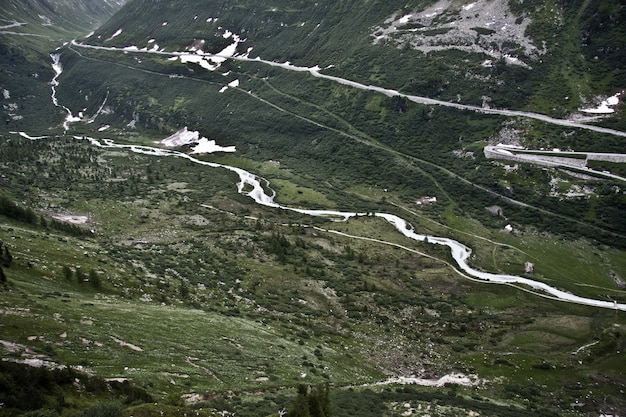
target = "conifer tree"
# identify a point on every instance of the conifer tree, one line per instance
(5, 255)
(94, 279)
(311, 402)
(300, 406)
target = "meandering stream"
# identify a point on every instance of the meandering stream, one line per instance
(459, 251)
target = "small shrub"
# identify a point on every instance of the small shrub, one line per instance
(113, 409)
(41, 413)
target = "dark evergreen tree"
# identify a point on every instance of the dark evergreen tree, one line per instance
(94, 279)
(183, 290)
(311, 402)
(300, 406)
(67, 273)
(5, 255)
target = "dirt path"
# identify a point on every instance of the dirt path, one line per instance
(207, 370)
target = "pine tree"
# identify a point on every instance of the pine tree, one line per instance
(5, 255)
(300, 406)
(183, 290)
(67, 273)
(311, 402)
(94, 279)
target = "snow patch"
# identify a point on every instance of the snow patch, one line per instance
(404, 19)
(209, 146)
(208, 61)
(231, 84)
(513, 60)
(71, 219)
(605, 106)
(457, 379)
(203, 145)
(117, 33)
(181, 138)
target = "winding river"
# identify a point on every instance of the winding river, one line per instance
(460, 252)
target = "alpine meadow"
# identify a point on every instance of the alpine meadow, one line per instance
(312, 208)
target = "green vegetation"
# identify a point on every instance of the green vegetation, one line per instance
(263, 303)
(146, 285)
(612, 167)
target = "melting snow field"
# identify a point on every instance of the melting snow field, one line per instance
(209, 146)
(203, 145)
(232, 84)
(211, 62)
(71, 219)
(117, 33)
(180, 138)
(605, 106)
(457, 379)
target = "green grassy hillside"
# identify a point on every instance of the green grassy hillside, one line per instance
(160, 290)
(182, 292)
(572, 52)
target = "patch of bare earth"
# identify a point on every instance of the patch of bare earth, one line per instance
(483, 26)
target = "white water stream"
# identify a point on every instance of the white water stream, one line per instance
(460, 252)
(58, 70)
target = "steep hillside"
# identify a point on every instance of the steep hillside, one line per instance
(29, 31)
(511, 53)
(262, 208)
(368, 74)
(58, 15)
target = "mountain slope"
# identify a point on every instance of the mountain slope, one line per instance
(29, 31)
(152, 72)
(62, 15)
(241, 282)
(479, 45)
